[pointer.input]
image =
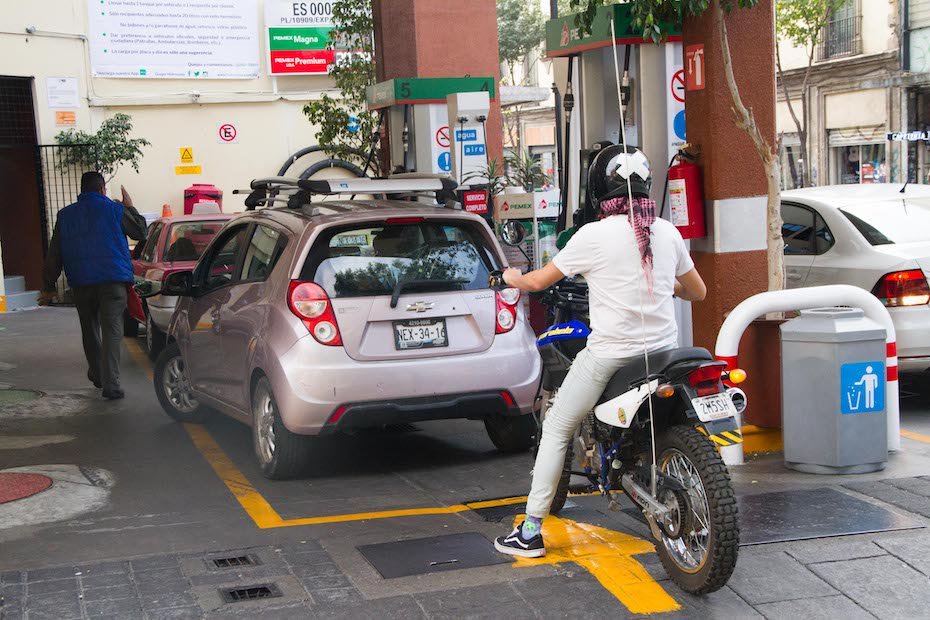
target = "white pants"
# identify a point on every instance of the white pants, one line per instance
(578, 394)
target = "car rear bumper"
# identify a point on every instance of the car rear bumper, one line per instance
(161, 309)
(446, 407)
(912, 330)
(312, 381)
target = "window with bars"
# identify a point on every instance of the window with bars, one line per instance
(17, 114)
(842, 35)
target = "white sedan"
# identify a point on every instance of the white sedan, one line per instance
(876, 237)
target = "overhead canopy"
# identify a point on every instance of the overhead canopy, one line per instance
(563, 37)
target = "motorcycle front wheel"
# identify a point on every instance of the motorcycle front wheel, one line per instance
(699, 549)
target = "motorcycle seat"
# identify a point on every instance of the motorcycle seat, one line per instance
(635, 370)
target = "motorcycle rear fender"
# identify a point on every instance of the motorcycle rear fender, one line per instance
(621, 410)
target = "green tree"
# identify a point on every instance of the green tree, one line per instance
(521, 30)
(344, 122)
(111, 146)
(802, 23)
(651, 15)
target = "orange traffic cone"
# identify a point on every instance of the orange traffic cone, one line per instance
(166, 210)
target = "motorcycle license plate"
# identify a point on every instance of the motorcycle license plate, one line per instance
(420, 334)
(716, 407)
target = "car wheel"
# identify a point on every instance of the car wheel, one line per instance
(154, 338)
(511, 433)
(173, 387)
(281, 454)
(130, 325)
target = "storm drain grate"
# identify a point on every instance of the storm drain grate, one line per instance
(234, 561)
(250, 593)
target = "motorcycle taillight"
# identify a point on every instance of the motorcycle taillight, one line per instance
(706, 378)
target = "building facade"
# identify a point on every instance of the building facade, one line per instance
(868, 97)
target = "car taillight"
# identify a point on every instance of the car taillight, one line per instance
(706, 379)
(507, 301)
(311, 304)
(903, 288)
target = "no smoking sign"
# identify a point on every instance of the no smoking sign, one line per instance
(227, 133)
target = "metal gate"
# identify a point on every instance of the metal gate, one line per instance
(60, 168)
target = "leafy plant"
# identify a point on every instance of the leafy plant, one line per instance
(496, 179)
(524, 170)
(521, 30)
(344, 122)
(111, 146)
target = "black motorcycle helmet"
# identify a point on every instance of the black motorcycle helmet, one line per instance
(618, 171)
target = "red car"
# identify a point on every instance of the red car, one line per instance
(172, 244)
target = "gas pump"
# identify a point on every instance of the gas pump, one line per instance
(436, 126)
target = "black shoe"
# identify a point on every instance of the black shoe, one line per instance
(114, 394)
(516, 544)
(96, 382)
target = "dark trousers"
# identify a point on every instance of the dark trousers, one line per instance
(100, 309)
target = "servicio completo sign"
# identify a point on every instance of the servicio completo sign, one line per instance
(299, 37)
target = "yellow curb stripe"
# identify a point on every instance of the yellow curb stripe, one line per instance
(915, 436)
(732, 437)
(717, 440)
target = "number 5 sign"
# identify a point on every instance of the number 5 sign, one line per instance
(694, 67)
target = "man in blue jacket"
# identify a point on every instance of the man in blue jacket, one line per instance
(89, 242)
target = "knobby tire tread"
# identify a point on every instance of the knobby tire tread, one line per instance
(722, 506)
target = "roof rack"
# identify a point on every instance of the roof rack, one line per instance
(297, 192)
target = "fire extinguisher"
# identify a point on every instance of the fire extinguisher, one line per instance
(686, 196)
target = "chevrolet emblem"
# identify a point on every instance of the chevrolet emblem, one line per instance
(420, 306)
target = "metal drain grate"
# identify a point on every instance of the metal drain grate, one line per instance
(234, 561)
(250, 593)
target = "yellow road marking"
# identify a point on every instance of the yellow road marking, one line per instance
(915, 436)
(608, 556)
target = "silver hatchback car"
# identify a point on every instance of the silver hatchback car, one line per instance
(316, 318)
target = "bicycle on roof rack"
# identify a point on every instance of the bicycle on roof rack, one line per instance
(296, 193)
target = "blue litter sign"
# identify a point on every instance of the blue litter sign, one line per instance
(474, 149)
(862, 387)
(466, 135)
(444, 162)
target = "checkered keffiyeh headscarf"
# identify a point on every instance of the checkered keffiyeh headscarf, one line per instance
(642, 217)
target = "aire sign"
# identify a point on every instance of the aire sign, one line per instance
(299, 37)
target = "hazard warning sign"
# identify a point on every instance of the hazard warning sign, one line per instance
(186, 154)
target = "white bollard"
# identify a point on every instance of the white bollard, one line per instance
(727, 347)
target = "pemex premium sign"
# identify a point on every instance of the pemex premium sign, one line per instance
(299, 37)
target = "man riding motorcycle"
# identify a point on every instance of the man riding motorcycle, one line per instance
(633, 264)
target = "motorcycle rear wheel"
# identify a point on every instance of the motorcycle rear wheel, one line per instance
(702, 559)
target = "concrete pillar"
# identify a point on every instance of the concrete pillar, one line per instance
(440, 38)
(732, 258)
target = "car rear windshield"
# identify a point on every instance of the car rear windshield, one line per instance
(896, 221)
(371, 259)
(188, 240)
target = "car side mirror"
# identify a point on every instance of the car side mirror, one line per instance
(512, 233)
(563, 237)
(178, 284)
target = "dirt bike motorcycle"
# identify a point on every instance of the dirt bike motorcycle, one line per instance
(651, 436)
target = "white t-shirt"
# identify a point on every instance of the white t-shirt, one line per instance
(606, 254)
